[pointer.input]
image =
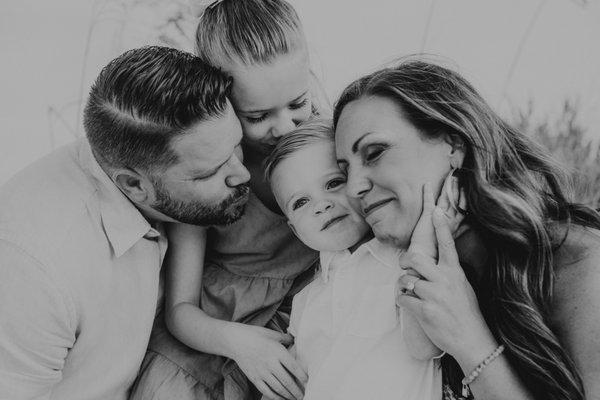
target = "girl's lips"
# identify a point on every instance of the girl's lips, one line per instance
(332, 221)
(374, 206)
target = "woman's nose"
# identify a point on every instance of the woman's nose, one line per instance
(357, 185)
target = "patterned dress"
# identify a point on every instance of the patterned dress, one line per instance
(251, 267)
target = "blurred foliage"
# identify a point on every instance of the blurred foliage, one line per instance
(566, 139)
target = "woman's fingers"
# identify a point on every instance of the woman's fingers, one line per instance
(414, 286)
(446, 249)
(421, 264)
(422, 239)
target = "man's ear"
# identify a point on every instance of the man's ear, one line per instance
(134, 185)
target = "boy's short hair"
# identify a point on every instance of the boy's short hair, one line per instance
(145, 98)
(309, 132)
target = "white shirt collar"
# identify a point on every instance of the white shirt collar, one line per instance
(123, 223)
(385, 254)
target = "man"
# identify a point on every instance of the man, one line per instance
(80, 230)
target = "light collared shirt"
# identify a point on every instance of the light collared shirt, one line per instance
(348, 334)
(79, 280)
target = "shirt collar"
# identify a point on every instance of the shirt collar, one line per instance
(385, 254)
(123, 223)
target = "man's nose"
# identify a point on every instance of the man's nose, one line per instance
(239, 174)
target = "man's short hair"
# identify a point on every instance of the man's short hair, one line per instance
(311, 131)
(143, 99)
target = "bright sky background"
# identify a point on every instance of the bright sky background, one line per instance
(52, 50)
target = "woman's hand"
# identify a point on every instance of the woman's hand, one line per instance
(261, 355)
(442, 299)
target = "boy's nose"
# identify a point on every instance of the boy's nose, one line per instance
(322, 206)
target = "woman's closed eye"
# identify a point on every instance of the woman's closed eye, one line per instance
(372, 152)
(299, 203)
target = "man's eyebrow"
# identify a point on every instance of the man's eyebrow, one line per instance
(267, 110)
(206, 174)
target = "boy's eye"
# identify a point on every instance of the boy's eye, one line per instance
(256, 120)
(299, 203)
(296, 106)
(332, 184)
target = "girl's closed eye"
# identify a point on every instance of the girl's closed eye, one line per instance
(298, 105)
(299, 203)
(256, 120)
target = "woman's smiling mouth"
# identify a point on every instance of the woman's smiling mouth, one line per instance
(374, 206)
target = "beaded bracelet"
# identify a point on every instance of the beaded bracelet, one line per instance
(467, 380)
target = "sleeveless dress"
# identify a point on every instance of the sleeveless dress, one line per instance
(252, 269)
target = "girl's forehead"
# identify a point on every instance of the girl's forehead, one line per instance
(262, 87)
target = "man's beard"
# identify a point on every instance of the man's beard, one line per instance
(196, 213)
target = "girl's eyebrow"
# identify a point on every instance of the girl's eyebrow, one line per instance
(267, 110)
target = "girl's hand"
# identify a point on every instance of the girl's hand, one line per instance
(442, 299)
(261, 355)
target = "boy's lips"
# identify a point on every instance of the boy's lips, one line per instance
(374, 206)
(333, 220)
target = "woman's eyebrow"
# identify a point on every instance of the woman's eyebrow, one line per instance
(357, 142)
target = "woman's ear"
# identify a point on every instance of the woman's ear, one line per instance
(457, 152)
(134, 185)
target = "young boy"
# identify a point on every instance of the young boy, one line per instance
(348, 330)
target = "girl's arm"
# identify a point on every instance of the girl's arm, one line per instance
(258, 351)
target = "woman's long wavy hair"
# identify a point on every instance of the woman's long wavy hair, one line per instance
(516, 195)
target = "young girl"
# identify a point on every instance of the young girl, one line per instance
(218, 304)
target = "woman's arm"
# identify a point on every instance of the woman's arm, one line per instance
(576, 306)
(446, 307)
(259, 352)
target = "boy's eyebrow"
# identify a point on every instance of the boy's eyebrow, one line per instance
(264, 111)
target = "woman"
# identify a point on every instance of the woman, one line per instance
(529, 277)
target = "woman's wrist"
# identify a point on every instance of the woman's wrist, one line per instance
(475, 351)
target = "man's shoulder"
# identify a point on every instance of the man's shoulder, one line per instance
(41, 202)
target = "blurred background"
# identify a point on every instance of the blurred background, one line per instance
(536, 61)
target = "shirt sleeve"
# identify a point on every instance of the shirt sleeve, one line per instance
(36, 327)
(298, 304)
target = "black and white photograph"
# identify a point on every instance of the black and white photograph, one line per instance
(296, 199)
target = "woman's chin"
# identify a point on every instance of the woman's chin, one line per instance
(386, 234)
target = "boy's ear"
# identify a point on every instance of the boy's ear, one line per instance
(292, 228)
(134, 185)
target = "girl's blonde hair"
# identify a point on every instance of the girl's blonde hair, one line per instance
(247, 31)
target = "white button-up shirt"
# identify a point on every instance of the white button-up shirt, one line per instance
(79, 280)
(348, 335)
